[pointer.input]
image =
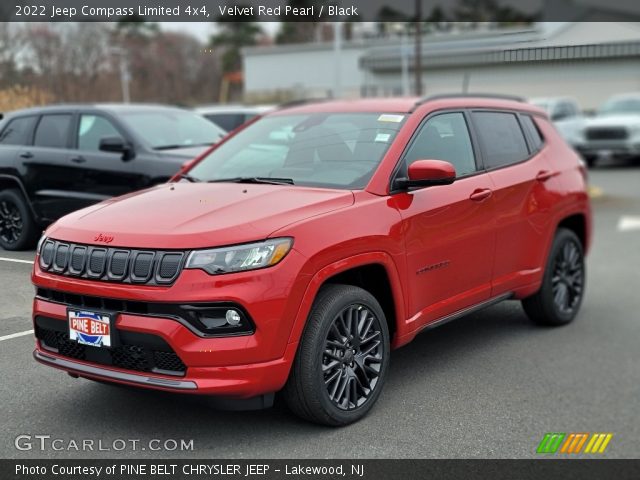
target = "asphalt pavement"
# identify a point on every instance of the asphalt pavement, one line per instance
(489, 385)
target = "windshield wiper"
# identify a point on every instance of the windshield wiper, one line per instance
(267, 180)
(188, 145)
(188, 177)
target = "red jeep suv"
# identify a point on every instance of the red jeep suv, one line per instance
(297, 253)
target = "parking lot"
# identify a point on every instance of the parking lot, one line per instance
(488, 385)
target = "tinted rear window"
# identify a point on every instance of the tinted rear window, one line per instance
(53, 131)
(532, 130)
(17, 131)
(502, 138)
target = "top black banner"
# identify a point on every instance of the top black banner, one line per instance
(504, 11)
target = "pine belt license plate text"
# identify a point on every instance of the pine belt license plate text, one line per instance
(89, 328)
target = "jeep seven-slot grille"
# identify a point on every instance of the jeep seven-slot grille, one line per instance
(112, 264)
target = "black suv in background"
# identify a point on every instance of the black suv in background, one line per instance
(54, 160)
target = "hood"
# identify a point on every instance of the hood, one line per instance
(197, 215)
(629, 120)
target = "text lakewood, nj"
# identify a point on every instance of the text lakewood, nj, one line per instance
(31, 12)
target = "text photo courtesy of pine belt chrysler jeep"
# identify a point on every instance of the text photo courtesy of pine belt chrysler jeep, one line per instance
(299, 251)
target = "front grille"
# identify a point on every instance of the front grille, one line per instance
(111, 264)
(607, 133)
(140, 352)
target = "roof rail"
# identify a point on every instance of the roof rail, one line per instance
(496, 96)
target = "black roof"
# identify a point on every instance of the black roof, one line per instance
(110, 107)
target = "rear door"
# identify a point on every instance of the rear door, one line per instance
(15, 135)
(523, 180)
(48, 170)
(449, 230)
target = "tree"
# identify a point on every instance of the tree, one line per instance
(477, 11)
(298, 32)
(231, 37)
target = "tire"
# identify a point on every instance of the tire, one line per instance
(565, 272)
(591, 160)
(321, 367)
(18, 230)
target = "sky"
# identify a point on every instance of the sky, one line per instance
(203, 30)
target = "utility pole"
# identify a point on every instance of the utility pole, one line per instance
(418, 48)
(404, 57)
(125, 75)
(337, 53)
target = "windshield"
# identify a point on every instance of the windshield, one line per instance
(172, 128)
(620, 106)
(335, 150)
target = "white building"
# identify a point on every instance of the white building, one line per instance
(589, 61)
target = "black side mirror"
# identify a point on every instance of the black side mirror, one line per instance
(117, 145)
(559, 116)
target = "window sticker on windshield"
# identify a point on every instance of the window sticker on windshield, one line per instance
(390, 117)
(382, 137)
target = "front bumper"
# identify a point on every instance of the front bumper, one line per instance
(242, 366)
(616, 148)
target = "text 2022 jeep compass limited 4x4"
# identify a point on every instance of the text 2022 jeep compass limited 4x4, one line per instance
(295, 254)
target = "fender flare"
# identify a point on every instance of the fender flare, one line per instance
(20, 185)
(328, 271)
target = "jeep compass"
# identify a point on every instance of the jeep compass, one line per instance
(294, 255)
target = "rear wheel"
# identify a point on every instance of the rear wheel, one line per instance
(342, 360)
(18, 231)
(560, 296)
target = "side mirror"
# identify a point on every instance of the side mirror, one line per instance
(427, 173)
(559, 116)
(116, 145)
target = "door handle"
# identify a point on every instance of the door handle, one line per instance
(78, 159)
(544, 175)
(480, 194)
(26, 155)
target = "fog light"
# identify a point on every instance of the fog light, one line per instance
(233, 317)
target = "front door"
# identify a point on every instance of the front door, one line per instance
(450, 229)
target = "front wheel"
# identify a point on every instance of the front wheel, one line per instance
(18, 231)
(342, 360)
(560, 296)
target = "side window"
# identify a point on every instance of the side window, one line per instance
(531, 128)
(572, 109)
(17, 131)
(444, 137)
(227, 121)
(501, 137)
(93, 128)
(53, 131)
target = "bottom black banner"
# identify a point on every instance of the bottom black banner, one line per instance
(318, 469)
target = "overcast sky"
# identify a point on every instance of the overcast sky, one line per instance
(203, 30)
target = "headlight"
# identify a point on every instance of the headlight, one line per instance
(40, 243)
(240, 258)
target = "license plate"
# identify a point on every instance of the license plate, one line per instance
(89, 328)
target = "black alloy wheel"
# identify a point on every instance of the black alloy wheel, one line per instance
(352, 357)
(18, 231)
(10, 222)
(568, 278)
(563, 284)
